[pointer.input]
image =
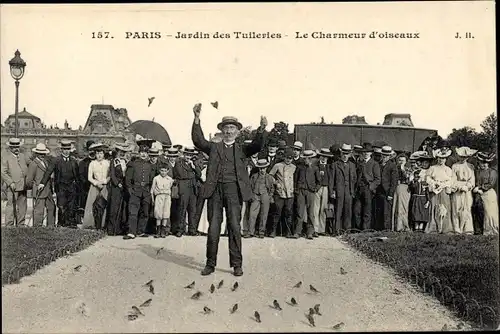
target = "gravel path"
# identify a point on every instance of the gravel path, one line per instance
(114, 270)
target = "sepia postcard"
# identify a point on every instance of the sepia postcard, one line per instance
(249, 167)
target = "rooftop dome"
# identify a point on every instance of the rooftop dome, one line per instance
(151, 130)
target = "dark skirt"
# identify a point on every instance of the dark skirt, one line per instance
(117, 211)
(418, 212)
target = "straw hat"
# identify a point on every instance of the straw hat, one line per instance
(298, 145)
(189, 151)
(172, 152)
(66, 144)
(308, 154)
(40, 148)
(229, 120)
(96, 146)
(153, 152)
(122, 147)
(261, 163)
(443, 152)
(14, 142)
(465, 151)
(387, 150)
(346, 148)
(324, 152)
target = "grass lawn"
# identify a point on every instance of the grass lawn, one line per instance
(33, 247)
(467, 264)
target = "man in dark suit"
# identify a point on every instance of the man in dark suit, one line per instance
(83, 171)
(342, 188)
(307, 180)
(385, 191)
(227, 185)
(66, 184)
(186, 174)
(368, 179)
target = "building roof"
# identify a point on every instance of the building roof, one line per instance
(151, 130)
(24, 114)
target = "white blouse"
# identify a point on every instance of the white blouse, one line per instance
(463, 177)
(99, 171)
(439, 177)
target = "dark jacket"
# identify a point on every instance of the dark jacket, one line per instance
(185, 176)
(139, 174)
(36, 171)
(369, 172)
(214, 152)
(343, 177)
(389, 179)
(56, 167)
(269, 183)
(307, 177)
(116, 173)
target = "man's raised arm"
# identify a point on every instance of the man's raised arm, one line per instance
(258, 142)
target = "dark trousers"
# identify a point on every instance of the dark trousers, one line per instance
(139, 205)
(305, 203)
(116, 211)
(226, 196)
(40, 205)
(477, 214)
(67, 204)
(283, 210)
(343, 213)
(187, 203)
(363, 209)
(200, 203)
(383, 212)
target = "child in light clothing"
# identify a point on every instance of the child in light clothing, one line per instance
(161, 190)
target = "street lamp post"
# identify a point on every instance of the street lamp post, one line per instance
(17, 65)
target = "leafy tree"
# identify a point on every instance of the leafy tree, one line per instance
(465, 136)
(279, 132)
(486, 140)
(489, 134)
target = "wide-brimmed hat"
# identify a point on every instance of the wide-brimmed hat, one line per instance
(377, 150)
(189, 151)
(178, 146)
(247, 142)
(153, 152)
(420, 155)
(288, 152)
(66, 144)
(308, 154)
(172, 152)
(298, 145)
(272, 143)
(145, 142)
(465, 151)
(97, 146)
(40, 148)
(335, 148)
(346, 148)
(387, 150)
(324, 152)
(14, 142)
(380, 143)
(166, 146)
(229, 120)
(261, 163)
(357, 148)
(443, 152)
(88, 143)
(366, 147)
(122, 147)
(281, 144)
(485, 157)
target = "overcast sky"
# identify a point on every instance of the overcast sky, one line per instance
(441, 81)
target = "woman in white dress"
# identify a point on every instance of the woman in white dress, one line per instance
(99, 178)
(463, 182)
(438, 178)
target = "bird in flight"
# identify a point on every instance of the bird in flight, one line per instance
(150, 99)
(215, 104)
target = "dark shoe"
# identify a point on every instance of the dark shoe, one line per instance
(129, 237)
(238, 271)
(178, 234)
(295, 236)
(272, 235)
(167, 233)
(207, 271)
(315, 235)
(162, 232)
(310, 237)
(157, 235)
(246, 235)
(144, 235)
(261, 236)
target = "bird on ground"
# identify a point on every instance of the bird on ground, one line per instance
(150, 100)
(397, 292)
(215, 104)
(311, 311)
(78, 267)
(132, 317)
(212, 288)
(276, 305)
(158, 251)
(196, 295)
(190, 286)
(298, 285)
(339, 325)
(206, 310)
(234, 308)
(313, 289)
(235, 286)
(293, 301)
(316, 309)
(257, 316)
(152, 289)
(137, 310)
(146, 303)
(310, 318)
(220, 284)
(149, 283)
(342, 271)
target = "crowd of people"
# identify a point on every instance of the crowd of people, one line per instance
(295, 192)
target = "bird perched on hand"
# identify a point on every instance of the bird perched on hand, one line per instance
(150, 99)
(215, 104)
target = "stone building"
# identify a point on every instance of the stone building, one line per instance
(398, 120)
(104, 124)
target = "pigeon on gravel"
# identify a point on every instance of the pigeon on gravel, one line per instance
(397, 292)
(311, 311)
(206, 310)
(196, 295)
(132, 317)
(316, 309)
(293, 302)
(146, 303)
(257, 316)
(212, 288)
(235, 286)
(313, 289)
(159, 250)
(190, 286)
(152, 289)
(234, 308)
(310, 318)
(342, 271)
(298, 285)
(338, 326)
(78, 267)
(220, 284)
(149, 283)
(137, 310)
(276, 305)
(83, 309)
